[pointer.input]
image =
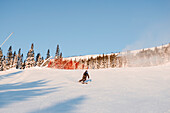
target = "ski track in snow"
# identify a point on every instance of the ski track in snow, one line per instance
(117, 90)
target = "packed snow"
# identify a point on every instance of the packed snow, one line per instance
(116, 90)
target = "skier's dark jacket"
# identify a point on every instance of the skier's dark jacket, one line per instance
(85, 75)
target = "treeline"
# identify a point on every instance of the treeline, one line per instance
(146, 57)
(15, 60)
(101, 61)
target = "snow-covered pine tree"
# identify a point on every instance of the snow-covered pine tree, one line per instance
(89, 63)
(39, 59)
(18, 64)
(112, 60)
(1, 60)
(103, 61)
(9, 57)
(57, 52)
(30, 62)
(106, 61)
(14, 55)
(48, 54)
(61, 55)
(19, 59)
(4, 63)
(95, 63)
(156, 56)
(42, 59)
(15, 59)
(1, 54)
(82, 63)
(19, 52)
(24, 64)
(98, 62)
(92, 63)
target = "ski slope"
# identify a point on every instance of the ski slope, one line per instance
(118, 90)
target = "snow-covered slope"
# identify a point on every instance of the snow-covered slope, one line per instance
(117, 90)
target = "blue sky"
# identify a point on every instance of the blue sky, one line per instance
(84, 27)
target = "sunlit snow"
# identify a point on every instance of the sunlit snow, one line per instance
(116, 90)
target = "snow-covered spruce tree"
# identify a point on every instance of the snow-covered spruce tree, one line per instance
(99, 62)
(156, 56)
(61, 55)
(19, 60)
(4, 63)
(15, 59)
(39, 60)
(92, 63)
(89, 63)
(1, 60)
(95, 63)
(166, 52)
(119, 62)
(81, 63)
(103, 62)
(57, 52)
(1, 54)
(30, 62)
(37, 57)
(112, 60)
(23, 65)
(48, 54)
(106, 61)
(9, 58)
(19, 52)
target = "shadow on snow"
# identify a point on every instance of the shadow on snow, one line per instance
(21, 92)
(64, 107)
(9, 75)
(20, 85)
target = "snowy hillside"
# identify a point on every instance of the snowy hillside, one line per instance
(117, 90)
(121, 53)
(138, 58)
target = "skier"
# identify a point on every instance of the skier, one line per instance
(85, 75)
